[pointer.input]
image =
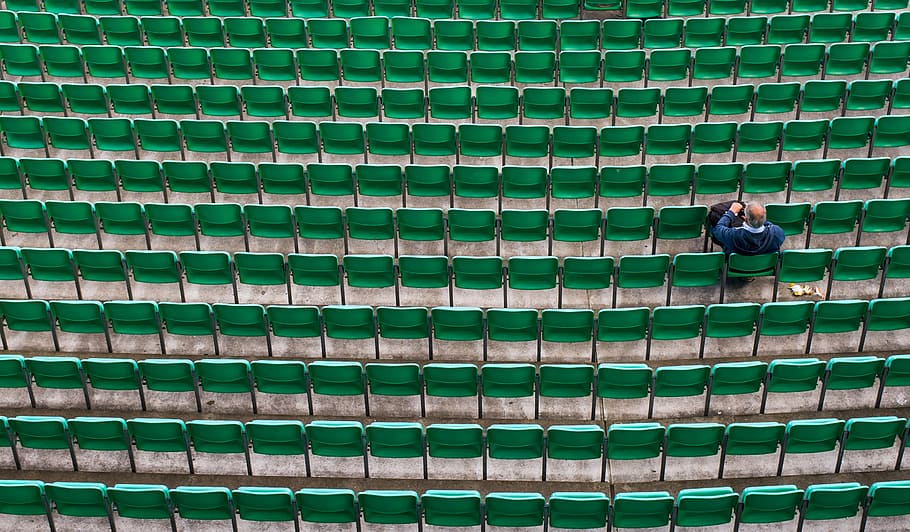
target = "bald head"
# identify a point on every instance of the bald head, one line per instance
(755, 215)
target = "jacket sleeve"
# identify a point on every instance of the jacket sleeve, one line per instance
(722, 231)
(778, 236)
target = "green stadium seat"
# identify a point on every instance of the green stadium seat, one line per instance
(141, 501)
(333, 440)
(574, 447)
(446, 383)
(843, 320)
(25, 498)
(107, 437)
(628, 388)
(508, 390)
(871, 443)
(451, 507)
(792, 376)
(514, 509)
(327, 505)
(832, 501)
(188, 322)
(769, 504)
(455, 451)
(165, 378)
(27, 324)
(812, 436)
(14, 380)
(633, 447)
(751, 447)
(265, 504)
(338, 387)
(884, 501)
(705, 506)
(396, 389)
(515, 451)
(79, 499)
(227, 383)
(642, 509)
(43, 442)
(393, 446)
(216, 444)
(389, 507)
(280, 384)
(457, 330)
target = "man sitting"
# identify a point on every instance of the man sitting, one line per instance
(754, 236)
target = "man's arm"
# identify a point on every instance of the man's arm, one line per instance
(722, 231)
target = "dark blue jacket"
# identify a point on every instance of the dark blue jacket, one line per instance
(739, 240)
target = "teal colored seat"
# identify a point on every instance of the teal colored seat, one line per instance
(705, 506)
(769, 504)
(642, 509)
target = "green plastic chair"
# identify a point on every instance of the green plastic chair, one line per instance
(398, 380)
(203, 503)
(634, 441)
(575, 442)
(27, 315)
(337, 378)
(265, 504)
(753, 439)
(294, 322)
(696, 269)
(514, 509)
(769, 504)
(693, 440)
(454, 441)
(395, 439)
(812, 435)
(24, 497)
(457, 323)
(642, 509)
(141, 501)
(99, 434)
(336, 438)
(389, 507)
(885, 499)
(41, 432)
(79, 499)
(642, 271)
(705, 506)
(872, 433)
(623, 381)
(735, 378)
(450, 380)
(833, 501)
(187, 319)
(451, 507)
(578, 510)
(507, 380)
(327, 505)
(623, 325)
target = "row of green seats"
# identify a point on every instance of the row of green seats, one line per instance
(447, 66)
(624, 385)
(872, 322)
(54, 273)
(434, 9)
(390, 231)
(460, 102)
(878, 505)
(458, 186)
(406, 33)
(559, 446)
(487, 142)
(722, 8)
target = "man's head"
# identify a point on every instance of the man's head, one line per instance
(755, 215)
